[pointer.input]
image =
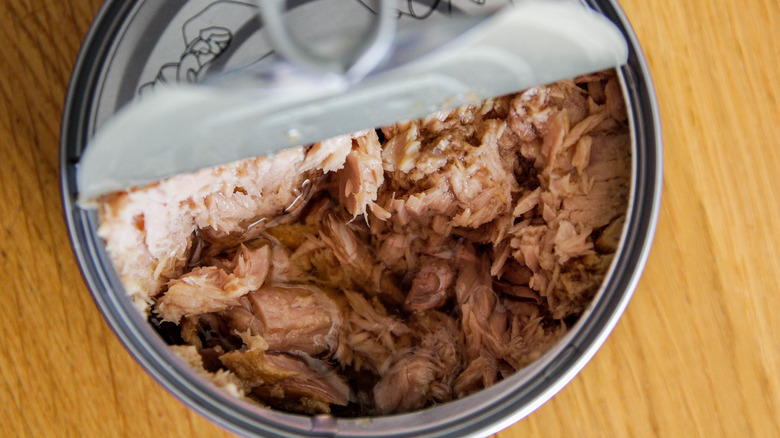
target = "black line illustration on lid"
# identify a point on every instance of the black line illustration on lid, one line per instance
(211, 32)
(204, 41)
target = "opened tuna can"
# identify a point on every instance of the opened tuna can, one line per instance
(135, 46)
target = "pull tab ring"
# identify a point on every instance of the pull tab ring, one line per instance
(357, 62)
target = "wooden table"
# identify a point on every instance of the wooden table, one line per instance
(696, 354)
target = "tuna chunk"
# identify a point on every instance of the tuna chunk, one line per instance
(211, 289)
(465, 177)
(297, 383)
(371, 337)
(381, 273)
(362, 175)
(296, 318)
(609, 181)
(483, 317)
(430, 285)
(528, 335)
(406, 385)
(480, 373)
(425, 374)
(149, 231)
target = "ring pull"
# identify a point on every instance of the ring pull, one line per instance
(357, 62)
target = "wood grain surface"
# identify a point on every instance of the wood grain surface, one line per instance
(696, 354)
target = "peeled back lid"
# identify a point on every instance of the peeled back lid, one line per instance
(275, 105)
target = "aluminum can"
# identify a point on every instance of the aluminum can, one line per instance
(134, 45)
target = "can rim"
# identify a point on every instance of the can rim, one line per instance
(517, 396)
